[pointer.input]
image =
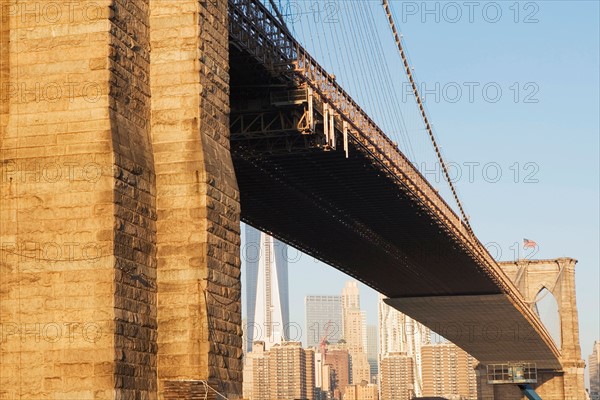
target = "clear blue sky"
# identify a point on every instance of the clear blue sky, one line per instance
(555, 141)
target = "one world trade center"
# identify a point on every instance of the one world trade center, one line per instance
(267, 295)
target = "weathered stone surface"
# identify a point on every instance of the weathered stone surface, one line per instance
(119, 208)
(192, 390)
(56, 205)
(135, 304)
(198, 202)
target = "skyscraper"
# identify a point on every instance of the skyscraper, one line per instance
(361, 391)
(354, 322)
(594, 370)
(398, 333)
(355, 330)
(360, 367)
(448, 370)
(353, 319)
(372, 351)
(267, 294)
(323, 318)
(351, 295)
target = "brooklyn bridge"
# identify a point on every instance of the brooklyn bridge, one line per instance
(205, 114)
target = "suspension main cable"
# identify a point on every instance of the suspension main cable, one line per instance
(278, 13)
(398, 40)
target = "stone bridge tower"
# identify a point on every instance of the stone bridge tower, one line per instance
(119, 207)
(558, 277)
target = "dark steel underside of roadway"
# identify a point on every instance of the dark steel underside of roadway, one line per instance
(346, 212)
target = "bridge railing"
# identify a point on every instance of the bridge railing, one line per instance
(269, 41)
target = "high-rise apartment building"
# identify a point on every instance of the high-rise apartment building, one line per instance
(398, 333)
(323, 318)
(256, 373)
(267, 296)
(326, 386)
(397, 376)
(339, 361)
(448, 371)
(362, 391)
(286, 371)
(309, 373)
(291, 371)
(594, 371)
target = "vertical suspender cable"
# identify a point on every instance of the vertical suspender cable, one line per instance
(388, 12)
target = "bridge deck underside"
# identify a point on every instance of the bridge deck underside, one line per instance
(347, 212)
(497, 334)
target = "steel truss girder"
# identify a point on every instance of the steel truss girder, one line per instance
(257, 125)
(249, 25)
(276, 131)
(290, 129)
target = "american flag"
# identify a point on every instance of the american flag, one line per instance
(529, 244)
